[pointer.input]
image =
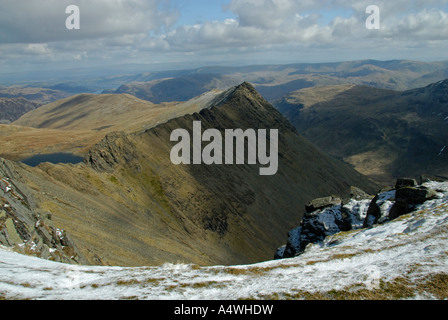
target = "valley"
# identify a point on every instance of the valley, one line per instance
(384, 134)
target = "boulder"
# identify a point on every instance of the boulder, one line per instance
(416, 195)
(399, 208)
(12, 234)
(293, 244)
(358, 194)
(404, 182)
(407, 197)
(280, 252)
(322, 203)
(379, 207)
(373, 213)
(315, 227)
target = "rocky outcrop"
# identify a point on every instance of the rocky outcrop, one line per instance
(26, 228)
(407, 197)
(331, 215)
(114, 149)
(319, 224)
(379, 207)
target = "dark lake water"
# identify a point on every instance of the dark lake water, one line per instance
(52, 158)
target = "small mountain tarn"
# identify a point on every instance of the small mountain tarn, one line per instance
(53, 158)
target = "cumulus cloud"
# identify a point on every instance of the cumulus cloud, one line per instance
(138, 29)
(38, 48)
(31, 21)
(267, 23)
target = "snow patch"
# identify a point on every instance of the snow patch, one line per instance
(412, 246)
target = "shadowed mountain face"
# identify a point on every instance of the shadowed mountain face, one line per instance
(12, 109)
(128, 204)
(382, 133)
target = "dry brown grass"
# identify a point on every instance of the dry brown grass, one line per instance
(76, 130)
(431, 286)
(310, 96)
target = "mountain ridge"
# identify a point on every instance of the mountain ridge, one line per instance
(128, 186)
(382, 133)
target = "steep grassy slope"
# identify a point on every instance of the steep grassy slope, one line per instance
(129, 205)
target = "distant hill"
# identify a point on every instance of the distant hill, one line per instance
(128, 205)
(75, 124)
(181, 88)
(36, 95)
(383, 133)
(12, 109)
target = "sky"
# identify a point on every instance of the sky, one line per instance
(34, 36)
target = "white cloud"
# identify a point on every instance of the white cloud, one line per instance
(265, 23)
(144, 30)
(426, 25)
(31, 21)
(38, 48)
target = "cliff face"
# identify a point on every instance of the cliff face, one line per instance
(128, 204)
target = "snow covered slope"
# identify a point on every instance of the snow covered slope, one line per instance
(406, 258)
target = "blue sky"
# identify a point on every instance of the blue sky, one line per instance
(219, 32)
(199, 11)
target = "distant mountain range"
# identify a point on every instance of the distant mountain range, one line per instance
(272, 81)
(382, 133)
(275, 81)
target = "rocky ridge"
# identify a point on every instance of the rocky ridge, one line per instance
(330, 215)
(27, 228)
